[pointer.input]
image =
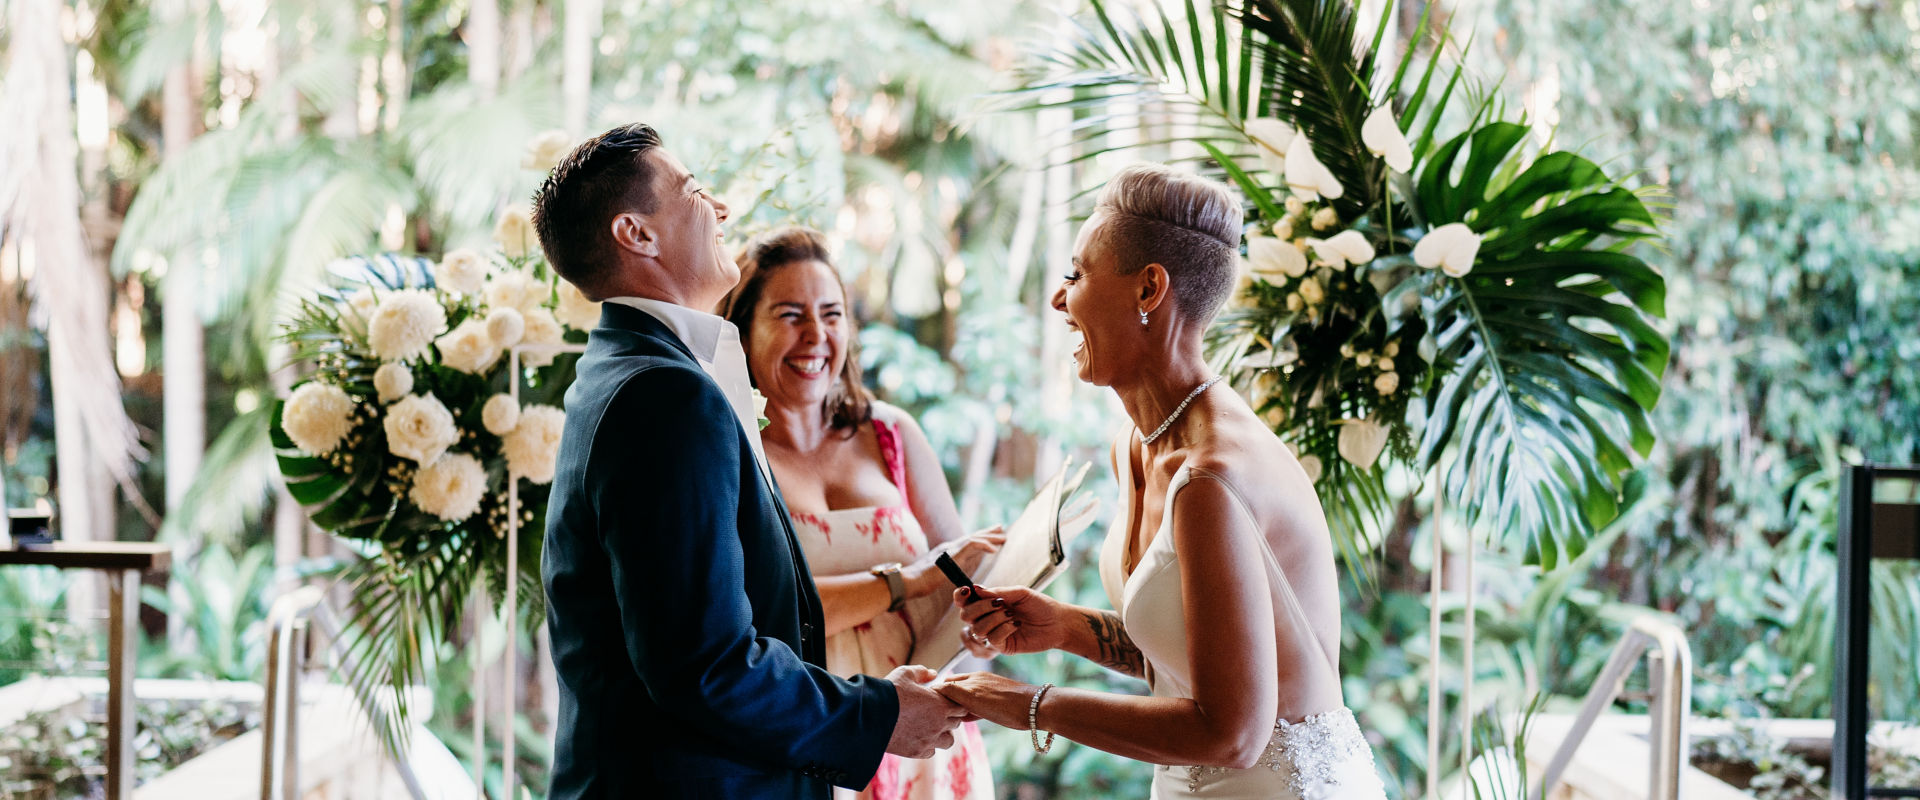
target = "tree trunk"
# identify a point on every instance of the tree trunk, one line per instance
(183, 339)
(482, 33)
(95, 442)
(576, 63)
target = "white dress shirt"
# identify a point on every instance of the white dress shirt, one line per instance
(715, 343)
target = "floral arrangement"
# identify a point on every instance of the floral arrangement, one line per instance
(1404, 296)
(404, 437)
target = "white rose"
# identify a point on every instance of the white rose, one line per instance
(533, 446)
(318, 417)
(364, 303)
(1294, 206)
(515, 234)
(1393, 349)
(1325, 218)
(546, 150)
(1386, 382)
(500, 414)
(541, 329)
(1384, 364)
(463, 271)
(451, 487)
(404, 325)
(576, 310)
(1364, 360)
(505, 326)
(1284, 228)
(1361, 441)
(468, 348)
(420, 427)
(516, 290)
(393, 381)
(1294, 303)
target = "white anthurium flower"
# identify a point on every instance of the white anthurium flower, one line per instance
(1273, 257)
(1309, 179)
(1361, 441)
(1381, 134)
(1451, 247)
(1273, 137)
(1346, 247)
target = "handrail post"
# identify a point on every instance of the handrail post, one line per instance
(123, 606)
(1670, 673)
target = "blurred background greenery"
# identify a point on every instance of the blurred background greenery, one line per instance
(226, 151)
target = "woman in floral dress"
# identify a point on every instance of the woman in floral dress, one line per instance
(870, 503)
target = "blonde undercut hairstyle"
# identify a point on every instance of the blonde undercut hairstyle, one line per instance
(1186, 223)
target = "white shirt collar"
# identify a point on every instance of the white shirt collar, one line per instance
(698, 330)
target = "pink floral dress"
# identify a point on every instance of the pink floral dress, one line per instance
(854, 540)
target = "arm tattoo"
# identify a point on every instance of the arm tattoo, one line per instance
(1116, 650)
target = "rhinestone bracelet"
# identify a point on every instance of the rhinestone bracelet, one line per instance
(1033, 724)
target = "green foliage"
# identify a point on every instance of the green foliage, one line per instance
(61, 754)
(35, 628)
(223, 611)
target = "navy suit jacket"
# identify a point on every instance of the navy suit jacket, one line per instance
(687, 632)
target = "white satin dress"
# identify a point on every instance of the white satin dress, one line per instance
(1319, 755)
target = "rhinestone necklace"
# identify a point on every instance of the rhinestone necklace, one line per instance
(1148, 439)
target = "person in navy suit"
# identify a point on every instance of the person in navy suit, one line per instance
(687, 633)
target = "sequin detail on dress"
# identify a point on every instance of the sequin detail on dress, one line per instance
(1326, 752)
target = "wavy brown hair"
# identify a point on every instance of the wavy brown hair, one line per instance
(849, 404)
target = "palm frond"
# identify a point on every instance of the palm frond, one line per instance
(1318, 76)
(233, 483)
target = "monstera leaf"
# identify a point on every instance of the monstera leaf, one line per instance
(1546, 359)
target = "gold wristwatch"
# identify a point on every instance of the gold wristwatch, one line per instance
(895, 586)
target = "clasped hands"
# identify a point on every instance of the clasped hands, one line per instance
(1008, 620)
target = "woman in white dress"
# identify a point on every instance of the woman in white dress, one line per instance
(1219, 566)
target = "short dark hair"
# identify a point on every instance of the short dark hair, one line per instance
(1186, 223)
(849, 404)
(606, 175)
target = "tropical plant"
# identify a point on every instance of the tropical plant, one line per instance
(222, 610)
(1479, 301)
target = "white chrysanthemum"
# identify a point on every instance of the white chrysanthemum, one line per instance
(404, 325)
(505, 326)
(546, 149)
(533, 446)
(516, 290)
(451, 487)
(542, 328)
(500, 414)
(515, 234)
(1386, 382)
(393, 381)
(468, 348)
(420, 427)
(463, 271)
(576, 310)
(318, 417)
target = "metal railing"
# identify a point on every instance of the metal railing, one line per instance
(287, 623)
(1670, 673)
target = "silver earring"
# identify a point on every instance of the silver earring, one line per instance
(1143, 319)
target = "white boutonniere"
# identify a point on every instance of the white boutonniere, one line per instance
(760, 409)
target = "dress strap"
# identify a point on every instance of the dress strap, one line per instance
(893, 452)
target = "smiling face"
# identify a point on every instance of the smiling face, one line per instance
(1102, 306)
(687, 226)
(798, 345)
